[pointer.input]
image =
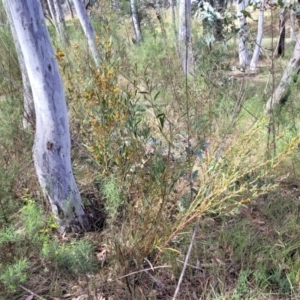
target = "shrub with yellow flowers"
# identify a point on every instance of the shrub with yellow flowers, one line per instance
(109, 117)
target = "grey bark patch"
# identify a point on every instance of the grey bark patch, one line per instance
(49, 146)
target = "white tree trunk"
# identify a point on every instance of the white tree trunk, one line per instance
(60, 19)
(243, 34)
(260, 33)
(53, 16)
(88, 30)
(29, 113)
(184, 35)
(51, 149)
(292, 27)
(136, 22)
(70, 8)
(282, 91)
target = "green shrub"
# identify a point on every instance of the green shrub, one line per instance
(15, 274)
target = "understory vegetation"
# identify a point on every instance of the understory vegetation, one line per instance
(163, 161)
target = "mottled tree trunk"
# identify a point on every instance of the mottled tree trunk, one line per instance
(281, 93)
(29, 112)
(184, 35)
(51, 151)
(88, 30)
(136, 22)
(243, 34)
(260, 33)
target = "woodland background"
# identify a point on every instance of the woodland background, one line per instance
(184, 168)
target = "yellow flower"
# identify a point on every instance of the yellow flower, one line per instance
(59, 54)
(110, 73)
(116, 90)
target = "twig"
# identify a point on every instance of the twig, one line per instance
(32, 293)
(186, 259)
(144, 270)
(189, 265)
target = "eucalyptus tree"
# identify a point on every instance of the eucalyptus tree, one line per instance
(282, 91)
(243, 33)
(260, 33)
(29, 112)
(88, 30)
(136, 22)
(70, 8)
(281, 41)
(184, 35)
(50, 6)
(58, 20)
(51, 150)
(292, 25)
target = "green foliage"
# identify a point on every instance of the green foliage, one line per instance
(14, 274)
(73, 258)
(9, 235)
(32, 218)
(113, 197)
(242, 288)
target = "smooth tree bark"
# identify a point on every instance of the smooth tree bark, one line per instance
(28, 104)
(243, 34)
(53, 16)
(260, 33)
(60, 19)
(136, 22)
(184, 35)
(88, 30)
(282, 91)
(70, 9)
(292, 25)
(51, 151)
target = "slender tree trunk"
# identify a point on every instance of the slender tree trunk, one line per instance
(136, 22)
(51, 151)
(184, 35)
(292, 27)
(88, 30)
(243, 34)
(281, 42)
(260, 33)
(70, 9)
(29, 112)
(283, 89)
(60, 19)
(172, 3)
(53, 16)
